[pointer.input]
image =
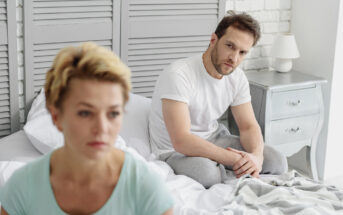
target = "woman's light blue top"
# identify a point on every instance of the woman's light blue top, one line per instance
(139, 191)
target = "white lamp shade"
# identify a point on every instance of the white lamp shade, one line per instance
(285, 47)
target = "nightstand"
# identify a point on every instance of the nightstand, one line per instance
(289, 109)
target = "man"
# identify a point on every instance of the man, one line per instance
(191, 94)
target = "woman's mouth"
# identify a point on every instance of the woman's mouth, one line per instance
(96, 144)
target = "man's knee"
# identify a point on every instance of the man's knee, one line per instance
(274, 162)
(231, 141)
(203, 170)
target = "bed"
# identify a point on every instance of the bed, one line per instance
(125, 27)
(290, 193)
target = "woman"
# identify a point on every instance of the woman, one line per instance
(86, 90)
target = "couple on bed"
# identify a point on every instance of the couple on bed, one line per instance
(86, 90)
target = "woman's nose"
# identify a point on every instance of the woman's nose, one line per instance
(100, 124)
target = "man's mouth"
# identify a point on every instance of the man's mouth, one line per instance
(228, 65)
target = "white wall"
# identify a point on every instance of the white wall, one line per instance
(314, 23)
(334, 158)
(274, 17)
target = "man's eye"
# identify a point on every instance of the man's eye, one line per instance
(84, 113)
(229, 45)
(114, 114)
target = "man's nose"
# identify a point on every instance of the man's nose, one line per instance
(234, 56)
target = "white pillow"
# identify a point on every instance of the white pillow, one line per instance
(39, 127)
(43, 134)
(135, 124)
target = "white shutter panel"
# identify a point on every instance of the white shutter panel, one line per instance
(9, 111)
(155, 33)
(53, 24)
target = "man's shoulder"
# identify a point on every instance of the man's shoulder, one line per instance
(184, 64)
(237, 75)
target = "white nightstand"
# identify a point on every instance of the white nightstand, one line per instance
(289, 109)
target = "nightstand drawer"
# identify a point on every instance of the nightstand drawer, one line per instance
(292, 129)
(294, 103)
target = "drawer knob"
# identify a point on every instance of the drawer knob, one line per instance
(293, 130)
(294, 103)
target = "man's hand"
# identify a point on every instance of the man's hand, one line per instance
(248, 164)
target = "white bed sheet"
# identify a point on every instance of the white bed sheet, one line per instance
(191, 198)
(17, 147)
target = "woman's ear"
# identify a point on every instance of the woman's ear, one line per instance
(56, 117)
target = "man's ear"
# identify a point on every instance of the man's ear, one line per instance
(55, 116)
(214, 39)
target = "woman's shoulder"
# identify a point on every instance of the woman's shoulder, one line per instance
(132, 162)
(137, 168)
(17, 191)
(32, 168)
(142, 174)
(26, 176)
(151, 193)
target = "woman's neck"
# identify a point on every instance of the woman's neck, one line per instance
(66, 164)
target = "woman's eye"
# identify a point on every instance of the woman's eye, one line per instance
(84, 113)
(114, 114)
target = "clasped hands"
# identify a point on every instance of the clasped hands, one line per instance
(249, 163)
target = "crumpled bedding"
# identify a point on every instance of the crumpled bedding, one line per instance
(290, 193)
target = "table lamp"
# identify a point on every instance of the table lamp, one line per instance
(284, 49)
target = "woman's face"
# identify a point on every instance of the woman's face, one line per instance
(91, 116)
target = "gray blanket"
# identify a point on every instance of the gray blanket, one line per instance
(290, 193)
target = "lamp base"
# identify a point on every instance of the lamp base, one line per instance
(282, 65)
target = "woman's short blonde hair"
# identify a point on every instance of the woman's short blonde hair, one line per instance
(87, 61)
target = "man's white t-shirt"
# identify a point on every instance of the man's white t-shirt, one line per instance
(207, 98)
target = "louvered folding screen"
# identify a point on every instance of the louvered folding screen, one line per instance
(9, 111)
(155, 33)
(53, 24)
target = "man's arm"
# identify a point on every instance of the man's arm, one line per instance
(177, 120)
(251, 140)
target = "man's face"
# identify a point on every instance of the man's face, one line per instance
(230, 49)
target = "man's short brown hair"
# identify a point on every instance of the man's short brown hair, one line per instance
(242, 21)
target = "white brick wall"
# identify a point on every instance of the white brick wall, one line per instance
(249, 5)
(274, 17)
